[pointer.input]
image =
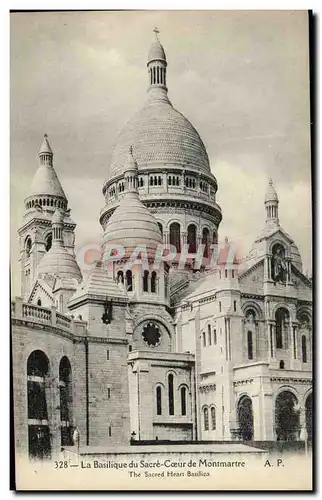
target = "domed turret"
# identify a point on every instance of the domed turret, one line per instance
(271, 205)
(132, 224)
(46, 189)
(57, 261)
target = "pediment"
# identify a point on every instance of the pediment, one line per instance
(253, 279)
(41, 290)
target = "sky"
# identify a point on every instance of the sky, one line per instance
(240, 77)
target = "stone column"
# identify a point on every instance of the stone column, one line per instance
(303, 431)
(271, 339)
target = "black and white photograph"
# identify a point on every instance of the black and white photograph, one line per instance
(161, 250)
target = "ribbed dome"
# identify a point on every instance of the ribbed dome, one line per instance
(159, 133)
(156, 52)
(57, 261)
(132, 225)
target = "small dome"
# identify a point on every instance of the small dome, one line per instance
(58, 217)
(156, 52)
(271, 194)
(133, 225)
(45, 146)
(58, 262)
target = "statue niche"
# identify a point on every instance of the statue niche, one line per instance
(279, 267)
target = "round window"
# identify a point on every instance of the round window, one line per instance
(151, 334)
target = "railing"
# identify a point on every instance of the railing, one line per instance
(37, 313)
(63, 320)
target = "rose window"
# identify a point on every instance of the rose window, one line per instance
(151, 335)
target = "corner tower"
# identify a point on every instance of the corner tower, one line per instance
(46, 195)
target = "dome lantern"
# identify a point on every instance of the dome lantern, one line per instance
(271, 204)
(157, 67)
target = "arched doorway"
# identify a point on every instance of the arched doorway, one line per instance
(287, 418)
(66, 399)
(245, 418)
(308, 417)
(38, 427)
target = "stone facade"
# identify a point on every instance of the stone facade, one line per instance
(219, 354)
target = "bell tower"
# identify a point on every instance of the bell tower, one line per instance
(35, 234)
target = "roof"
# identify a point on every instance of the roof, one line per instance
(160, 134)
(271, 194)
(133, 225)
(99, 282)
(58, 262)
(156, 52)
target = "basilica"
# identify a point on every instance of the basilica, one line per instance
(134, 352)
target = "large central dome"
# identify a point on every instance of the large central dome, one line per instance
(159, 133)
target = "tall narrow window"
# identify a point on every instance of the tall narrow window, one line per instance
(204, 339)
(171, 394)
(206, 419)
(120, 277)
(250, 344)
(160, 227)
(183, 401)
(129, 281)
(213, 418)
(209, 335)
(206, 242)
(220, 307)
(145, 281)
(153, 282)
(28, 248)
(304, 351)
(280, 318)
(159, 400)
(192, 238)
(215, 336)
(48, 241)
(235, 306)
(175, 236)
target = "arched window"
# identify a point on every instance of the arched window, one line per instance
(48, 241)
(146, 281)
(206, 419)
(153, 282)
(120, 277)
(28, 248)
(281, 317)
(245, 418)
(250, 344)
(282, 365)
(304, 351)
(159, 400)
(213, 418)
(204, 339)
(160, 227)
(209, 335)
(171, 394)
(129, 281)
(191, 238)
(169, 181)
(215, 336)
(39, 302)
(38, 435)
(206, 241)
(65, 386)
(175, 238)
(183, 401)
